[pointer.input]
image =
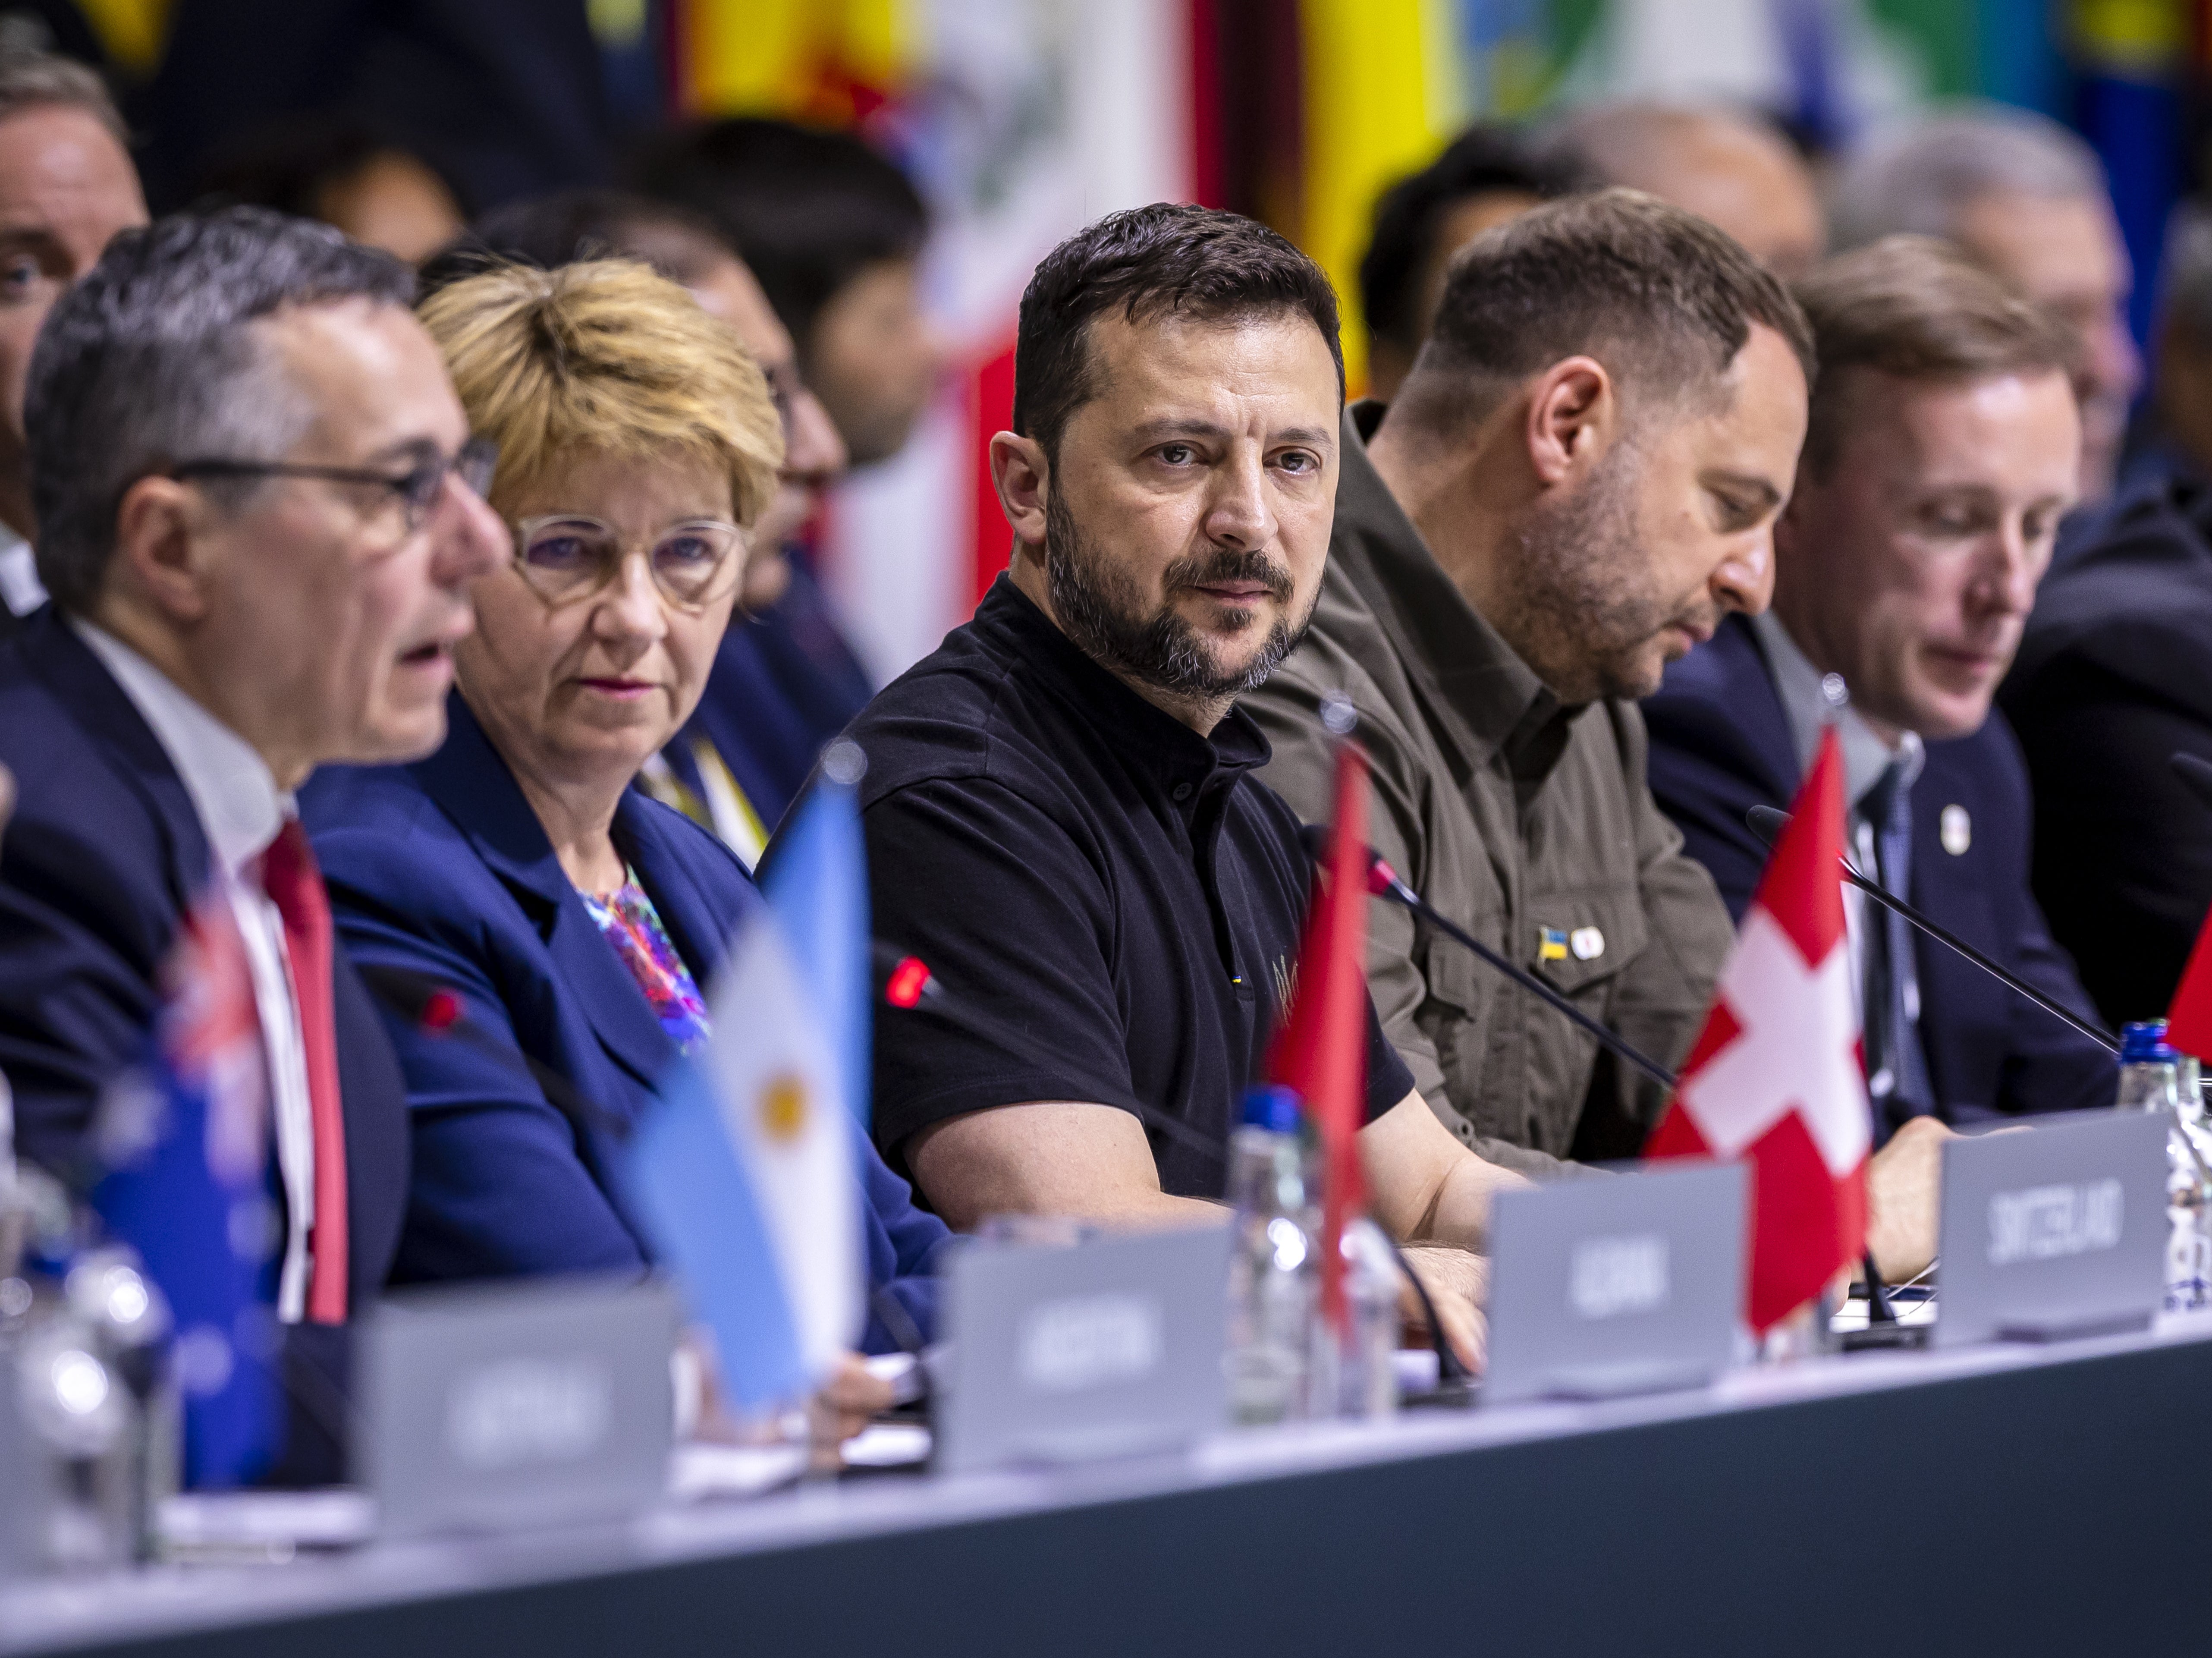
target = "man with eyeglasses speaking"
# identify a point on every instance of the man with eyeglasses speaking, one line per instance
(259, 515)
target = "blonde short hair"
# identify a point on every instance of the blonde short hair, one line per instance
(604, 356)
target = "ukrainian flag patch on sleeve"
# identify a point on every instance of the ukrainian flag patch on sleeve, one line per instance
(1551, 944)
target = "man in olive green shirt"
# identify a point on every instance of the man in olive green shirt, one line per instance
(1580, 478)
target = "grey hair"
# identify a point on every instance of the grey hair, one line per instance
(1918, 178)
(153, 359)
(34, 79)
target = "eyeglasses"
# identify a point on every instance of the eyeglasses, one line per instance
(418, 488)
(567, 556)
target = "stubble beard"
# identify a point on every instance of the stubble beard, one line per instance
(1579, 601)
(1100, 609)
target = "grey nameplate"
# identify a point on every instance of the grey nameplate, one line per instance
(1628, 1285)
(17, 1500)
(2057, 1230)
(525, 1404)
(1109, 1347)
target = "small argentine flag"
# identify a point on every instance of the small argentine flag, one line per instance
(742, 1171)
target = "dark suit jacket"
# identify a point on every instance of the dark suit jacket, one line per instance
(2113, 676)
(1721, 744)
(442, 868)
(783, 684)
(103, 856)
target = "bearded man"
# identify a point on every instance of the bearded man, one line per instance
(1060, 805)
(1579, 480)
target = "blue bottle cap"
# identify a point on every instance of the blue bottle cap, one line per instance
(2145, 1044)
(1272, 1107)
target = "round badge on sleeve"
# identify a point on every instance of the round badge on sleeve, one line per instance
(1957, 830)
(1587, 942)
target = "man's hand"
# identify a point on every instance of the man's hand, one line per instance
(1904, 1195)
(1459, 1284)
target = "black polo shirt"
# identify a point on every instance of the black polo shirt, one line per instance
(1111, 902)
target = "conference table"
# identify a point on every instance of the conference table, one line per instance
(2010, 1498)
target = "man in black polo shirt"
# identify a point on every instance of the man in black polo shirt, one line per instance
(1059, 805)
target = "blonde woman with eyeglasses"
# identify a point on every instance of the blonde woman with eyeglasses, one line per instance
(577, 920)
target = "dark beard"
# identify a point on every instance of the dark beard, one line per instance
(1098, 608)
(1579, 607)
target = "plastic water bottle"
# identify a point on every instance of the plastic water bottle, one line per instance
(2151, 1080)
(1271, 1275)
(1354, 1371)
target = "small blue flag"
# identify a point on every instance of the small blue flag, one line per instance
(185, 1143)
(817, 885)
(681, 1172)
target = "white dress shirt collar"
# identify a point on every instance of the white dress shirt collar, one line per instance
(1866, 756)
(20, 588)
(239, 803)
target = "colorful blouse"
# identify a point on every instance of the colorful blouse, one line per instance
(633, 926)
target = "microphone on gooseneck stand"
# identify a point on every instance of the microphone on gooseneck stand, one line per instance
(906, 981)
(1385, 882)
(436, 1009)
(1766, 823)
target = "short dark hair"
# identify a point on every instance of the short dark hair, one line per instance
(573, 227)
(1662, 298)
(808, 210)
(151, 359)
(1918, 309)
(1149, 262)
(1410, 212)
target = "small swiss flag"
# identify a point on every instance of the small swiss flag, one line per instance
(1776, 1075)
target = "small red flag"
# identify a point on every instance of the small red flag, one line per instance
(1320, 1050)
(2188, 1021)
(1776, 1075)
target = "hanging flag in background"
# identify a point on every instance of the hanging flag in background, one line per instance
(1022, 121)
(1320, 1050)
(1776, 1075)
(186, 1141)
(819, 888)
(743, 1170)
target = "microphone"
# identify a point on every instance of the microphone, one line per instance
(436, 1009)
(1383, 881)
(902, 980)
(1767, 823)
(2196, 772)
(910, 975)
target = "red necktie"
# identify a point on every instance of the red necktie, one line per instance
(294, 886)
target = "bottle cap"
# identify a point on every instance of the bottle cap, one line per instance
(2145, 1044)
(1272, 1107)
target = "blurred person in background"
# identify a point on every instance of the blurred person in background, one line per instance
(2114, 677)
(578, 921)
(2173, 445)
(2027, 199)
(1731, 168)
(498, 99)
(344, 172)
(1942, 449)
(1485, 177)
(259, 519)
(66, 186)
(778, 691)
(835, 232)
